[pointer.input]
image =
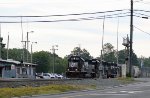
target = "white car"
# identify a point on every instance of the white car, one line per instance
(52, 76)
(58, 76)
(45, 76)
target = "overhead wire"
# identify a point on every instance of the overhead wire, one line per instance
(143, 2)
(112, 15)
(68, 14)
(78, 19)
(141, 30)
(143, 15)
(142, 10)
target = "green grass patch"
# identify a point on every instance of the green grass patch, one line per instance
(126, 80)
(50, 89)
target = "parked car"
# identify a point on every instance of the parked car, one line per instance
(39, 75)
(58, 76)
(46, 76)
(51, 75)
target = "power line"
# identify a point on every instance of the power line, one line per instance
(142, 14)
(69, 14)
(142, 10)
(78, 19)
(142, 30)
(138, 1)
(143, 2)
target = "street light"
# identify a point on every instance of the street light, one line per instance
(53, 50)
(145, 17)
(31, 49)
(28, 43)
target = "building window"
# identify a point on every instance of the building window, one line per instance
(24, 71)
(29, 70)
(7, 67)
(18, 70)
(33, 71)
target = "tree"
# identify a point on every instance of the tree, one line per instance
(15, 54)
(60, 65)
(122, 56)
(42, 59)
(83, 53)
(108, 48)
(109, 53)
(146, 62)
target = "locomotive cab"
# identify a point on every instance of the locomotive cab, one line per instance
(75, 66)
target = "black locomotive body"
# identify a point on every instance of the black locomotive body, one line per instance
(80, 68)
(75, 67)
(110, 69)
(92, 68)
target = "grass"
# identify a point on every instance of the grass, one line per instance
(126, 80)
(50, 89)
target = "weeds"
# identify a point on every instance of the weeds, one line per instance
(29, 91)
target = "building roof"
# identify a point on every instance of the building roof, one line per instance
(11, 61)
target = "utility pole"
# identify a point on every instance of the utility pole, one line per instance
(103, 45)
(8, 46)
(24, 47)
(31, 49)
(0, 43)
(28, 43)
(103, 39)
(22, 56)
(117, 40)
(53, 50)
(131, 38)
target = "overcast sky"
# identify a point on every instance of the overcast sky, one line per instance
(70, 34)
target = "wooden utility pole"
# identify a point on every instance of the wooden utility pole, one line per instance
(131, 38)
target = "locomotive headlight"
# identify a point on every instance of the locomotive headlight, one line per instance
(76, 69)
(68, 69)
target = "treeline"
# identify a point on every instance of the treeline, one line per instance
(45, 59)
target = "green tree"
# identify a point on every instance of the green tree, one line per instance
(122, 55)
(109, 53)
(83, 53)
(108, 48)
(43, 61)
(60, 65)
(15, 54)
(146, 62)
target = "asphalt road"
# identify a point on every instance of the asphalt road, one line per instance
(136, 90)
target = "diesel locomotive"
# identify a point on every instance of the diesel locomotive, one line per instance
(90, 68)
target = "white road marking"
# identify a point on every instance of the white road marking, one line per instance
(131, 92)
(120, 93)
(111, 92)
(107, 94)
(93, 94)
(123, 91)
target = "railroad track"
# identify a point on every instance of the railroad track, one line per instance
(26, 80)
(13, 83)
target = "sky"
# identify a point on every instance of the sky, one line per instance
(69, 34)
